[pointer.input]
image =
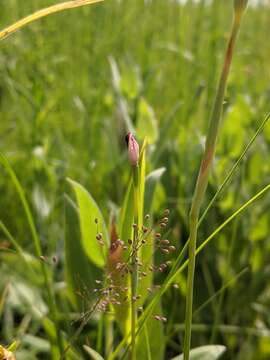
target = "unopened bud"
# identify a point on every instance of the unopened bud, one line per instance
(133, 149)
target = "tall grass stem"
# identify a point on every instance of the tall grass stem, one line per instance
(203, 176)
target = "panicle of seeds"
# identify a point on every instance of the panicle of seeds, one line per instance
(117, 295)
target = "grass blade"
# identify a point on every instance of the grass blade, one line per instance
(42, 13)
(234, 168)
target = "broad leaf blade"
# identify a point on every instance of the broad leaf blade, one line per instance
(80, 272)
(88, 212)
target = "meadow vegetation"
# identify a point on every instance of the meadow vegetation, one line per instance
(72, 85)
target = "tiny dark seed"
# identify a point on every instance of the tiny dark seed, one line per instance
(144, 229)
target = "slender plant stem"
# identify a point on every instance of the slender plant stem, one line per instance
(203, 176)
(109, 335)
(42, 13)
(134, 260)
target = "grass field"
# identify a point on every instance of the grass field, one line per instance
(71, 86)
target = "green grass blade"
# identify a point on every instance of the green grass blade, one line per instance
(234, 167)
(15, 244)
(19, 189)
(224, 287)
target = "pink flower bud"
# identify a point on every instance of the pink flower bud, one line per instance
(133, 149)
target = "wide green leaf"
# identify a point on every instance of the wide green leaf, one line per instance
(209, 352)
(80, 272)
(88, 213)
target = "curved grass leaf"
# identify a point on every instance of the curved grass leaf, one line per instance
(42, 13)
(88, 212)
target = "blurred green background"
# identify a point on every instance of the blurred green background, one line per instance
(73, 84)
